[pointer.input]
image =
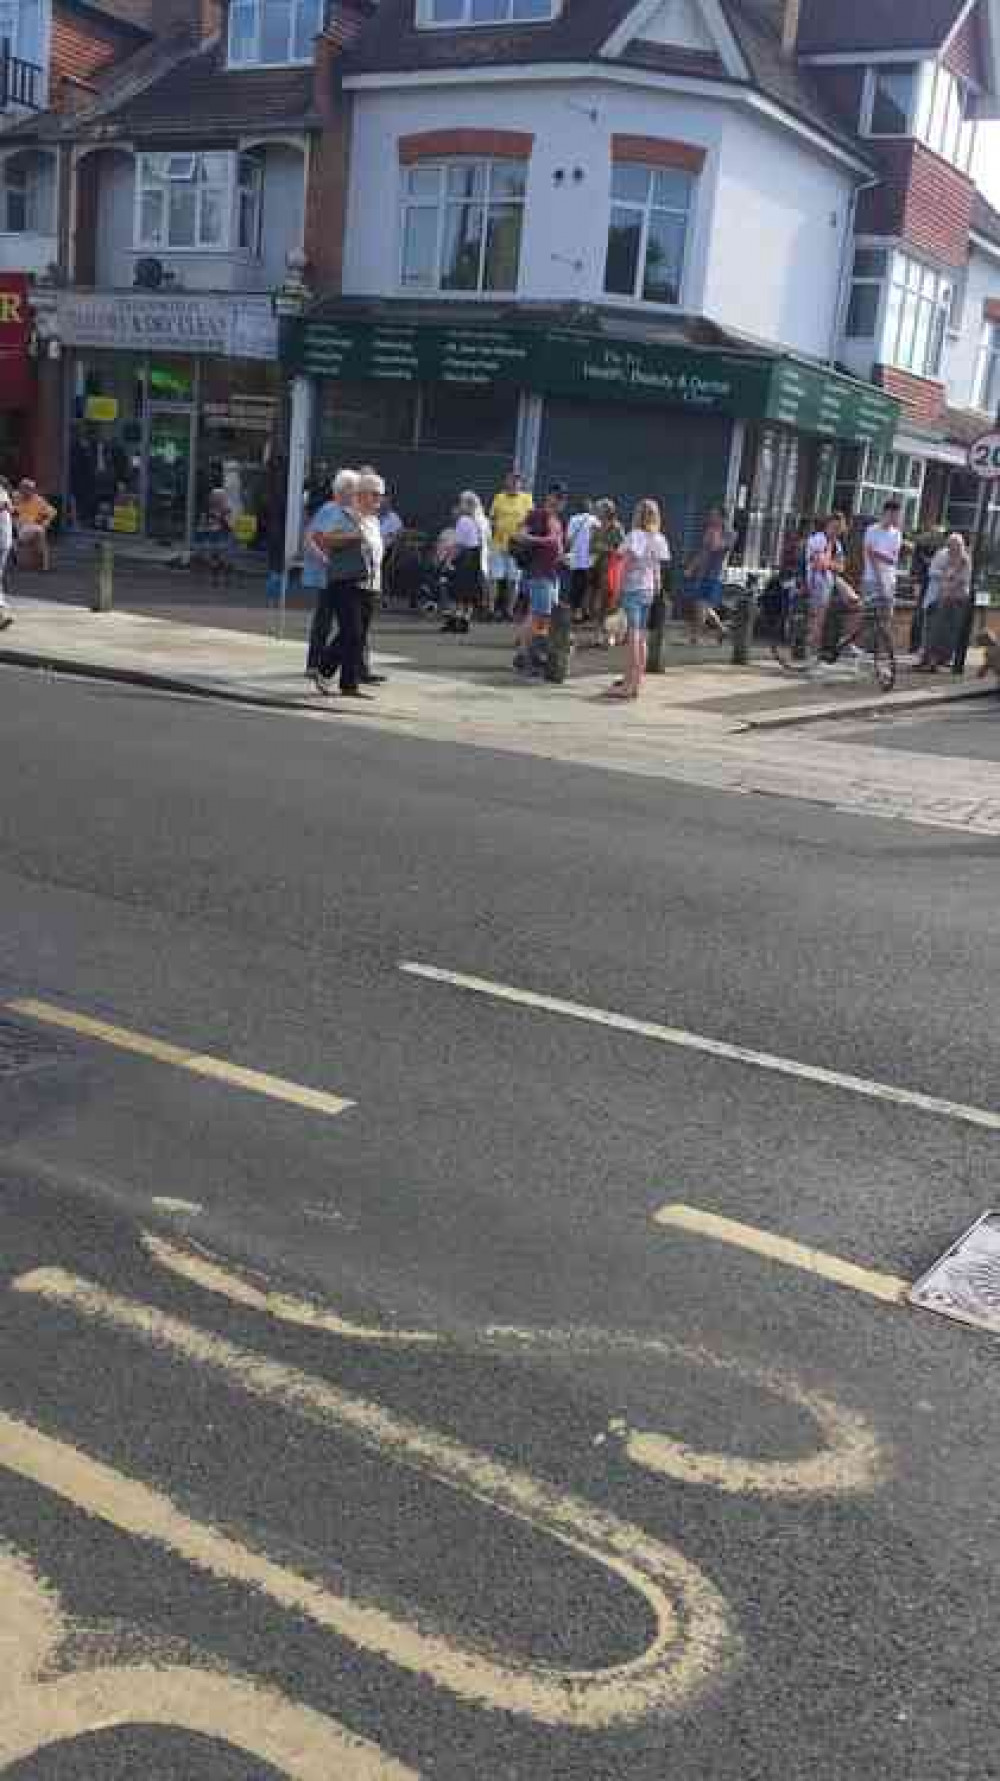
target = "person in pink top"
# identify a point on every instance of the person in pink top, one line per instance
(646, 552)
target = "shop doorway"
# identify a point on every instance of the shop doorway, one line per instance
(170, 458)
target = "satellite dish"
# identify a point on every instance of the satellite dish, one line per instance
(148, 275)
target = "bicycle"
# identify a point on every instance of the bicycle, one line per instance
(795, 651)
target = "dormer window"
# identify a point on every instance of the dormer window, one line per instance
(893, 100)
(450, 13)
(273, 33)
(924, 100)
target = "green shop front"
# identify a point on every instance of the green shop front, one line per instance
(442, 407)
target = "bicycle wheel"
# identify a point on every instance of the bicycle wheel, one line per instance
(884, 653)
(790, 644)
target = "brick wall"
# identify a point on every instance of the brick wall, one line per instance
(965, 53)
(80, 49)
(433, 145)
(329, 172)
(923, 401)
(923, 200)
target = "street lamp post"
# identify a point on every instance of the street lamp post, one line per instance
(289, 304)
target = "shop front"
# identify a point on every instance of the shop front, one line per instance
(17, 378)
(171, 399)
(442, 407)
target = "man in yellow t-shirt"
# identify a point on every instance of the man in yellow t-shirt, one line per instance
(34, 516)
(508, 513)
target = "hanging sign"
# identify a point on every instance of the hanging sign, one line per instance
(984, 458)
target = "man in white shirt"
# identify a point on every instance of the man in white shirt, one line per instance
(883, 544)
(6, 550)
(579, 540)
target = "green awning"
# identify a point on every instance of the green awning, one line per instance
(560, 361)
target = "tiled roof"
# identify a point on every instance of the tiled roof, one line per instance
(832, 26)
(200, 94)
(985, 220)
(392, 43)
(134, 15)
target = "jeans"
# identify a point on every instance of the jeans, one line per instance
(353, 607)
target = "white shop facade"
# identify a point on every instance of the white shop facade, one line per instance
(167, 396)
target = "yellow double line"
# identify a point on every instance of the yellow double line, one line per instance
(196, 1063)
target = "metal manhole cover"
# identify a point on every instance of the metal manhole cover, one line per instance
(965, 1283)
(22, 1049)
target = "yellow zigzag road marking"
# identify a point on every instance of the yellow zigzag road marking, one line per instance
(851, 1460)
(693, 1637)
(257, 1082)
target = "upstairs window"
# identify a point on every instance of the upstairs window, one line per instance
(199, 202)
(485, 12)
(870, 268)
(462, 223)
(22, 27)
(986, 390)
(648, 232)
(918, 309)
(893, 99)
(946, 119)
(273, 33)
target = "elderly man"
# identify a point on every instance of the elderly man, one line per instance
(351, 542)
(34, 517)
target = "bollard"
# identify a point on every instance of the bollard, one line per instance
(560, 645)
(743, 619)
(657, 636)
(105, 582)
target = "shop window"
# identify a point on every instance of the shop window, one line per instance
(468, 420)
(648, 232)
(461, 226)
(892, 475)
(273, 33)
(485, 12)
(986, 389)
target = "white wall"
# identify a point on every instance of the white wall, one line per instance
(962, 354)
(283, 201)
(763, 256)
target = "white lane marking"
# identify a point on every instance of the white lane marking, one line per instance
(693, 1638)
(247, 1715)
(887, 1287)
(196, 1063)
(202, 1271)
(851, 1459)
(720, 1048)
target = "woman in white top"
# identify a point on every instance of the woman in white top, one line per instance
(946, 609)
(646, 551)
(472, 555)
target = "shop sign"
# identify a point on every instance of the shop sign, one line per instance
(101, 408)
(172, 323)
(566, 362)
(16, 381)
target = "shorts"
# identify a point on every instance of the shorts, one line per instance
(636, 608)
(503, 567)
(877, 600)
(543, 597)
(706, 591)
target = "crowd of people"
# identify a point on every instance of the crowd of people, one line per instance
(522, 559)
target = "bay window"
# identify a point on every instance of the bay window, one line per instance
(903, 306)
(924, 100)
(269, 33)
(207, 202)
(648, 232)
(893, 99)
(462, 223)
(986, 390)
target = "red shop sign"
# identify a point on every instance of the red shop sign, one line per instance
(17, 385)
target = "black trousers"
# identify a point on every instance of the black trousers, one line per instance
(353, 608)
(322, 625)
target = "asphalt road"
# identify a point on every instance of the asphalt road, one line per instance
(406, 1422)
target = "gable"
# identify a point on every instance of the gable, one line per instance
(692, 30)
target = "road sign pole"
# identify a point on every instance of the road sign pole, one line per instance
(984, 462)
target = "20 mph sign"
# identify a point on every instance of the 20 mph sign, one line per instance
(984, 457)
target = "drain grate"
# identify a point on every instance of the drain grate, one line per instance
(23, 1048)
(965, 1283)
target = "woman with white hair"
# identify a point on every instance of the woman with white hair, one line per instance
(471, 578)
(6, 551)
(946, 612)
(333, 558)
(354, 551)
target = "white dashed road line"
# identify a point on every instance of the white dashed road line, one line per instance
(914, 1099)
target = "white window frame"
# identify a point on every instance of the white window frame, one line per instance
(426, 20)
(912, 277)
(256, 60)
(872, 77)
(987, 372)
(32, 186)
(875, 489)
(441, 203)
(879, 282)
(196, 157)
(938, 115)
(647, 209)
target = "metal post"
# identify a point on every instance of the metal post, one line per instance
(746, 606)
(104, 585)
(299, 437)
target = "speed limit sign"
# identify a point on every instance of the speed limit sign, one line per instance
(984, 457)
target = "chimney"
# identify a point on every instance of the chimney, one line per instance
(791, 20)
